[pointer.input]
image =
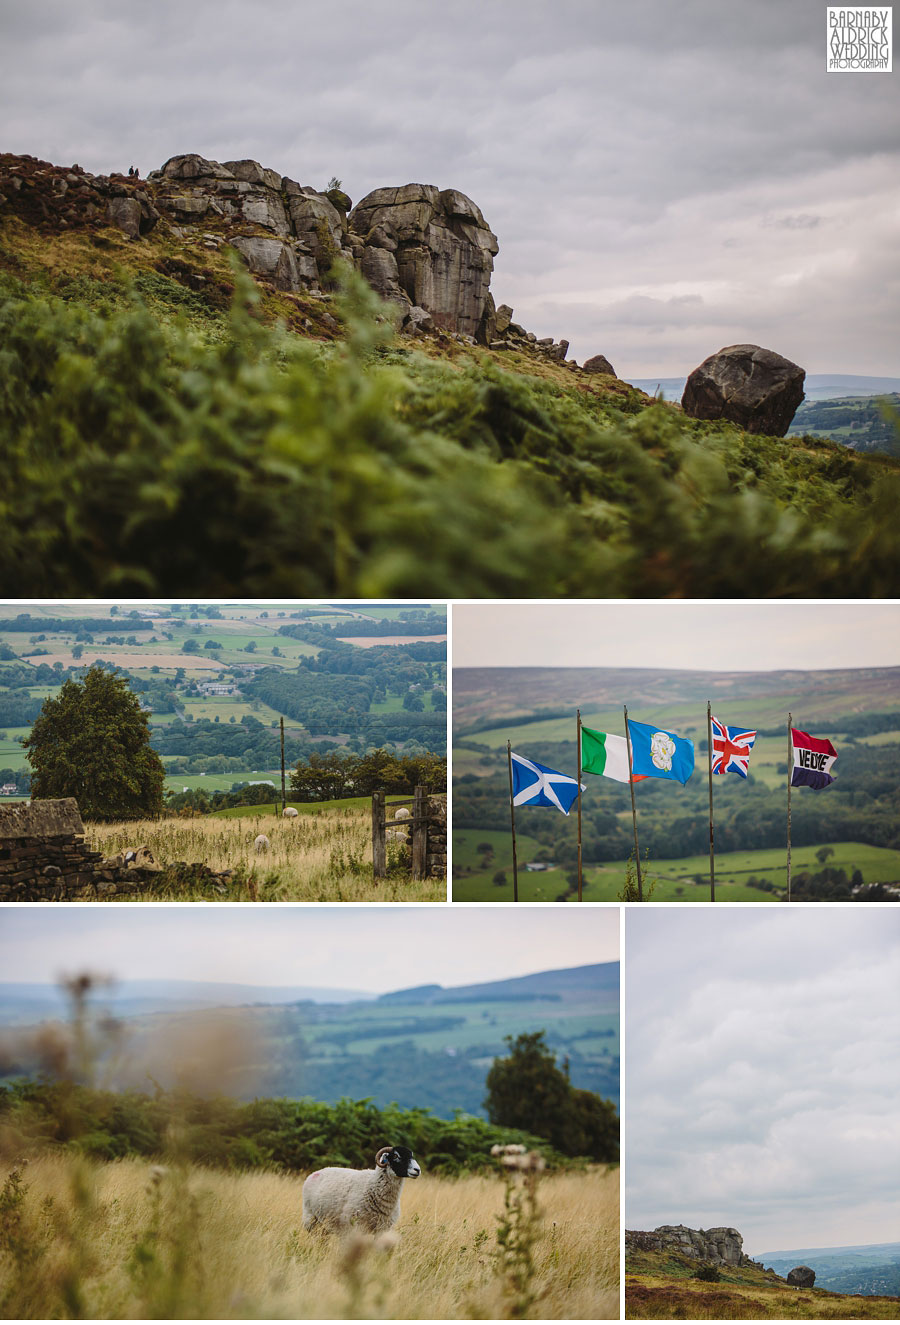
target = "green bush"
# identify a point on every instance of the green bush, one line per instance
(145, 453)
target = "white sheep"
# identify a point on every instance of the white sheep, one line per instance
(396, 835)
(289, 812)
(402, 813)
(262, 844)
(336, 1198)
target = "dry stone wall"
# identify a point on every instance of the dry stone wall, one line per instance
(45, 857)
(436, 849)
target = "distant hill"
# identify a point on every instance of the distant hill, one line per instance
(602, 979)
(423, 1048)
(818, 386)
(872, 1270)
(24, 1003)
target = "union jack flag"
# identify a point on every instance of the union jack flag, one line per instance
(731, 748)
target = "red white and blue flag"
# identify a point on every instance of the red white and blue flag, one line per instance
(813, 760)
(731, 748)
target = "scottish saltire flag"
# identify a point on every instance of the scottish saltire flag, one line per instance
(731, 748)
(659, 754)
(533, 784)
(813, 761)
(605, 755)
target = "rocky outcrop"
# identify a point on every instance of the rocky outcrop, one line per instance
(801, 1277)
(44, 857)
(720, 1246)
(599, 364)
(755, 388)
(429, 247)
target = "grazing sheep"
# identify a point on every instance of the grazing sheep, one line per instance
(396, 835)
(370, 1198)
(402, 813)
(289, 812)
(262, 844)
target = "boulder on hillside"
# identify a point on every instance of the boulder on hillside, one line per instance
(442, 245)
(286, 265)
(599, 364)
(801, 1277)
(755, 388)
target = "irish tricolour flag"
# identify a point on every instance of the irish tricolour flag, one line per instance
(605, 755)
(813, 760)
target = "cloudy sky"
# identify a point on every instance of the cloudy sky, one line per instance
(762, 1072)
(372, 949)
(733, 636)
(664, 179)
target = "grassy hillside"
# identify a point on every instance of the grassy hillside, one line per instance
(325, 855)
(662, 1286)
(130, 1241)
(166, 436)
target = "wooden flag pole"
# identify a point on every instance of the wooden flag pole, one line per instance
(578, 736)
(512, 818)
(790, 777)
(637, 850)
(283, 801)
(712, 866)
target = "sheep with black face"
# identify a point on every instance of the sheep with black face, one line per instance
(335, 1198)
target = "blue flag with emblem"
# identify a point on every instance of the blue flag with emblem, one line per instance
(533, 784)
(660, 754)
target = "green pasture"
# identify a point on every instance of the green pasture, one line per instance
(216, 781)
(305, 807)
(11, 753)
(393, 704)
(676, 880)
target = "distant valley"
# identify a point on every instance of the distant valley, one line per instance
(428, 1047)
(870, 1271)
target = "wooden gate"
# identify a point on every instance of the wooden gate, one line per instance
(417, 823)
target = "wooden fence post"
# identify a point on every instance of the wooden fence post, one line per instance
(419, 834)
(379, 850)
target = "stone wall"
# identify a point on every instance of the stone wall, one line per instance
(45, 857)
(436, 850)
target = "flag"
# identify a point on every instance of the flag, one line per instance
(605, 755)
(813, 760)
(731, 748)
(659, 754)
(533, 784)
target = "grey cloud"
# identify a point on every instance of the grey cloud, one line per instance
(762, 1072)
(580, 128)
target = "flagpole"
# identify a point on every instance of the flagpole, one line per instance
(637, 850)
(790, 777)
(512, 817)
(712, 866)
(578, 733)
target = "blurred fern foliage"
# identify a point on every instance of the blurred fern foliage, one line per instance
(141, 455)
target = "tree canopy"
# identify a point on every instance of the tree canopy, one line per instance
(93, 742)
(527, 1090)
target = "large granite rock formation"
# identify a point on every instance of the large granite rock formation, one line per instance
(721, 1246)
(753, 387)
(801, 1277)
(430, 248)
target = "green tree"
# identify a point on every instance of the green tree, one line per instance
(527, 1090)
(93, 742)
(190, 646)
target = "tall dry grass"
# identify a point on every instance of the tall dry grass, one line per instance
(125, 1240)
(324, 856)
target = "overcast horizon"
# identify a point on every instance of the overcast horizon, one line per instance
(373, 949)
(677, 635)
(663, 181)
(762, 1071)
